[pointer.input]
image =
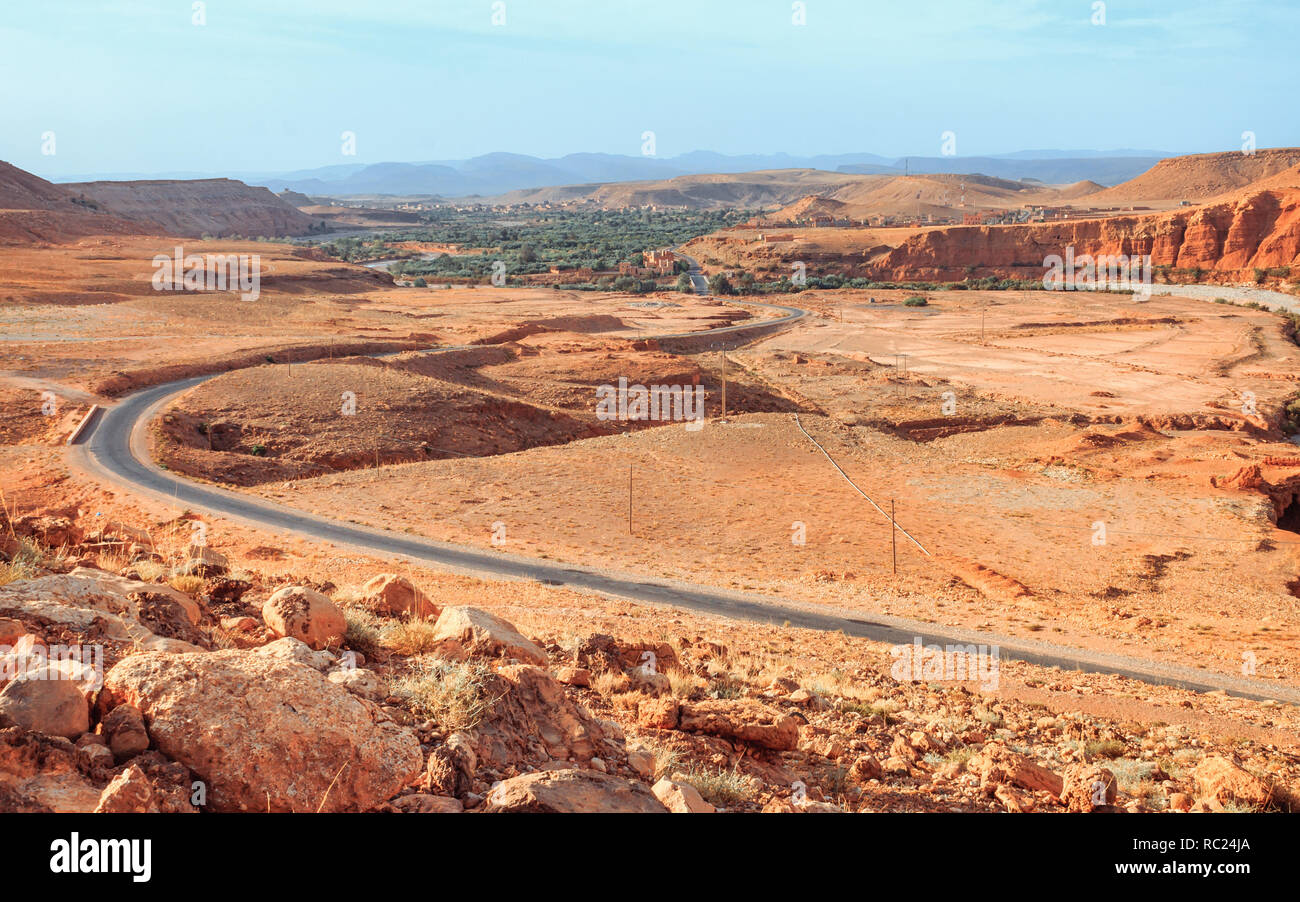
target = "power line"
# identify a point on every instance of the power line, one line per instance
(858, 490)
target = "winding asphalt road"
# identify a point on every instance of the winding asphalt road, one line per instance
(115, 448)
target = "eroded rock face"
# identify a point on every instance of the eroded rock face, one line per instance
(601, 653)
(40, 773)
(1260, 229)
(534, 721)
(570, 792)
(301, 613)
(469, 631)
(265, 733)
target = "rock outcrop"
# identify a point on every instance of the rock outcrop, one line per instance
(265, 733)
(571, 792)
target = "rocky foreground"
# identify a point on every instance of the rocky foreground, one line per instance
(225, 690)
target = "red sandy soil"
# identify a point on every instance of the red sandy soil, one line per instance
(1068, 413)
(1154, 740)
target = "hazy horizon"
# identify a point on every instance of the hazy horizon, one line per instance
(141, 88)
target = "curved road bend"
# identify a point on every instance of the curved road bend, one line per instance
(115, 447)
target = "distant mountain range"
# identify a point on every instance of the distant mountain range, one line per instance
(498, 173)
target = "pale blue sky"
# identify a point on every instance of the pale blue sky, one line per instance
(271, 85)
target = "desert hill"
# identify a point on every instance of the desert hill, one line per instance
(765, 188)
(33, 210)
(295, 198)
(1078, 189)
(190, 208)
(1199, 177)
(358, 217)
(803, 193)
(940, 195)
(1286, 179)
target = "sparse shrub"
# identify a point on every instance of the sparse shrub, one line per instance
(959, 756)
(685, 684)
(1291, 417)
(723, 788)
(187, 583)
(611, 682)
(1104, 748)
(364, 629)
(27, 562)
(454, 694)
(149, 571)
(258, 450)
(884, 710)
(728, 686)
(916, 301)
(12, 571)
(409, 637)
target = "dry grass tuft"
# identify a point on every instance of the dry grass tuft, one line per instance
(454, 694)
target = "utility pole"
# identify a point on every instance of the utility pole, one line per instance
(724, 385)
(893, 536)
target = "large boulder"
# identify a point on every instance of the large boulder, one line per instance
(265, 733)
(394, 596)
(470, 631)
(123, 729)
(572, 792)
(45, 701)
(996, 764)
(130, 792)
(299, 612)
(741, 720)
(680, 797)
(423, 803)
(1089, 787)
(95, 606)
(1220, 783)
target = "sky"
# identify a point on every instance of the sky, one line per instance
(273, 85)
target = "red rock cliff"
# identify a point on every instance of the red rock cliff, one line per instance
(1228, 240)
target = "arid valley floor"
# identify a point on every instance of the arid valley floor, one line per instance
(1097, 476)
